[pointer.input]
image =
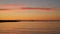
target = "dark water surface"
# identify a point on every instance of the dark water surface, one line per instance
(43, 27)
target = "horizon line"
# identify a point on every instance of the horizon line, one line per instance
(28, 20)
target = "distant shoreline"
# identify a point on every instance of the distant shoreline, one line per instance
(29, 20)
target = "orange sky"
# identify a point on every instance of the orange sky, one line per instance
(25, 13)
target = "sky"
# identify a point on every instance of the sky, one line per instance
(48, 9)
(34, 3)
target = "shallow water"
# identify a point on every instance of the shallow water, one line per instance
(30, 27)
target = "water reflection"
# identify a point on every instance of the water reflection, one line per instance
(41, 27)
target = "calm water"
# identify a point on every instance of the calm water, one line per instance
(30, 27)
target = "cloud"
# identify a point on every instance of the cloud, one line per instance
(10, 6)
(26, 8)
(23, 7)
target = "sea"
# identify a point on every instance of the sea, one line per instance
(33, 27)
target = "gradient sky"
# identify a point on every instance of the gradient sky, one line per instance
(15, 11)
(34, 3)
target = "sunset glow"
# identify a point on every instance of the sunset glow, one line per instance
(11, 12)
(29, 16)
